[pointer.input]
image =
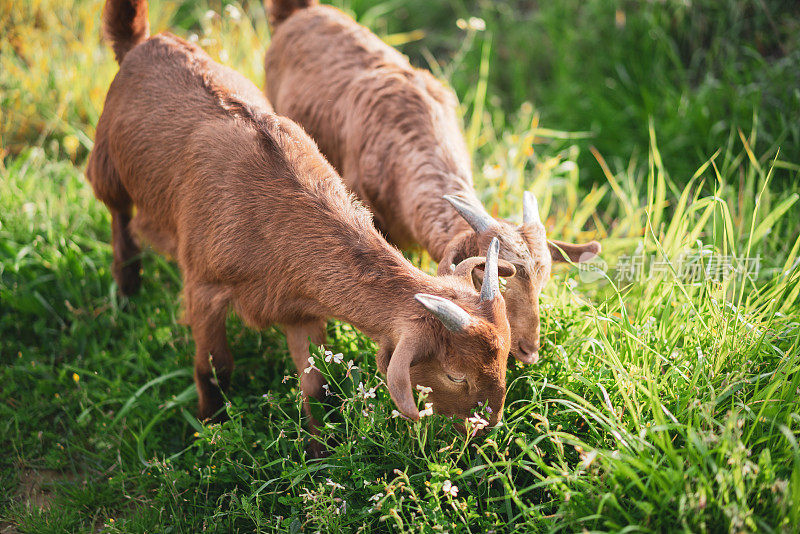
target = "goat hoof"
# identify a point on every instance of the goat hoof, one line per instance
(210, 416)
(317, 450)
(129, 279)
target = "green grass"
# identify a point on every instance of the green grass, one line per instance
(665, 405)
(698, 69)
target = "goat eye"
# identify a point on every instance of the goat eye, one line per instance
(457, 380)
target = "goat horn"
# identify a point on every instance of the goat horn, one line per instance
(491, 284)
(452, 316)
(530, 209)
(476, 216)
(398, 378)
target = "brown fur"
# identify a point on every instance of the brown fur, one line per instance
(125, 25)
(392, 132)
(260, 223)
(280, 11)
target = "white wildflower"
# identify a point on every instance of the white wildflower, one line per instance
(307, 495)
(587, 459)
(474, 23)
(477, 24)
(334, 485)
(427, 411)
(526, 108)
(449, 488)
(210, 14)
(477, 423)
(425, 390)
(193, 38)
(492, 172)
(233, 12)
(572, 284)
(395, 413)
(364, 392)
(568, 166)
(331, 357)
(376, 497)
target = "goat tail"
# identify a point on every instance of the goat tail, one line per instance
(125, 25)
(279, 10)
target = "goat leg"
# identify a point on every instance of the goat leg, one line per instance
(298, 337)
(206, 309)
(127, 263)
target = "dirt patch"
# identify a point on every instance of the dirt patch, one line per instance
(35, 491)
(35, 486)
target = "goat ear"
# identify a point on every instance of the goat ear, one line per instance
(456, 251)
(467, 267)
(575, 253)
(398, 377)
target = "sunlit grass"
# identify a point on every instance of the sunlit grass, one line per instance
(666, 404)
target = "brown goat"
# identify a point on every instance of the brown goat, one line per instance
(392, 132)
(260, 223)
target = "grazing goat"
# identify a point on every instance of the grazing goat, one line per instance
(392, 133)
(260, 223)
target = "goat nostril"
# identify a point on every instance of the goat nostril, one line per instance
(528, 352)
